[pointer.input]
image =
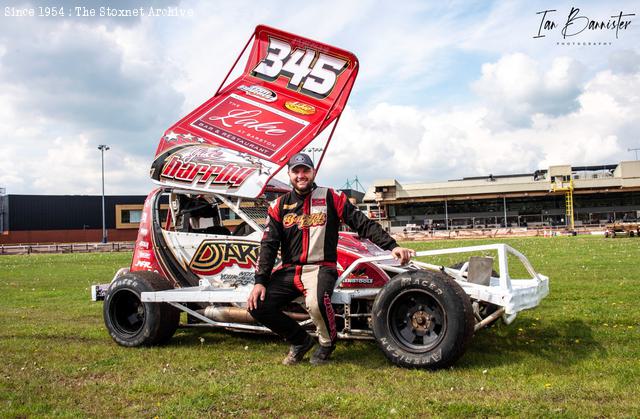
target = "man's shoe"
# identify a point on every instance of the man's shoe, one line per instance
(297, 352)
(322, 354)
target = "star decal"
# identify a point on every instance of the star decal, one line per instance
(172, 136)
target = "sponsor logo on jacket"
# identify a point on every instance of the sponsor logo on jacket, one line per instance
(304, 220)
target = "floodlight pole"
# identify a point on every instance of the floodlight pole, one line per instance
(504, 206)
(446, 214)
(634, 149)
(313, 151)
(103, 148)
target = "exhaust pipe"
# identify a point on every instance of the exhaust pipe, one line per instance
(231, 314)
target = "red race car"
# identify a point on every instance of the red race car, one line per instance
(200, 230)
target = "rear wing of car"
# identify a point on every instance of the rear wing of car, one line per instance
(292, 88)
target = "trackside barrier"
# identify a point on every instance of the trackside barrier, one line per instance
(27, 249)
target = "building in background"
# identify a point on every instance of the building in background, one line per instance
(594, 194)
(68, 218)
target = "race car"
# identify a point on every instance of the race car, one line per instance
(200, 230)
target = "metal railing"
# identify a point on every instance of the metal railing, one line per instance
(27, 249)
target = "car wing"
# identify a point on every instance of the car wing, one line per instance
(292, 88)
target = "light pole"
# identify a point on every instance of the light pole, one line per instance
(313, 150)
(634, 149)
(103, 148)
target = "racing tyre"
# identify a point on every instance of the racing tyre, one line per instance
(422, 319)
(131, 322)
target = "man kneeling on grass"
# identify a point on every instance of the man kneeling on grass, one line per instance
(304, 223)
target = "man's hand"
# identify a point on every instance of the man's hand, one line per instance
(403, 254)
(257, 292)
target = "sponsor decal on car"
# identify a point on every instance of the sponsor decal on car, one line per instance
(357, 281)
(216, 174)
(144, 264)
(144, 255)
(299, 107)
(259, 92)
(233, 280)
(212, 257)
(251, 125)
(304, 220)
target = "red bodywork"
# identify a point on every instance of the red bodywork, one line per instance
(367, 275)
(144, 254)
(292, 88)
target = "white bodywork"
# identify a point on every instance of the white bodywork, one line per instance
(513, 295)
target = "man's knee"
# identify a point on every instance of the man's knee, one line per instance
(314, 309)
(262, 311)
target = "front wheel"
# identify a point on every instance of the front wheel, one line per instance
(422, 319)
(131, 322)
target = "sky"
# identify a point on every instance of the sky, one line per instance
(446, 89)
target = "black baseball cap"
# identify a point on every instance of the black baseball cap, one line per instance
(300, 159)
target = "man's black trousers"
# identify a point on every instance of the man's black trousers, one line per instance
(316, 283)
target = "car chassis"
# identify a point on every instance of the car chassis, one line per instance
(511, 295)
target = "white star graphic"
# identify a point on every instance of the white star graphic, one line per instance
(172, 136)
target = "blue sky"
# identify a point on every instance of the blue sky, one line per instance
(446, 89)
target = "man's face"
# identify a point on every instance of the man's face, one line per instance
(301, 178)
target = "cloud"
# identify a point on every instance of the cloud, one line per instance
(624, 61)
(445, 90)
(516, 88)
(69, 86)
(417, 145)
(76, 74)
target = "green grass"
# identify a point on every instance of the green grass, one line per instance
(575, 355)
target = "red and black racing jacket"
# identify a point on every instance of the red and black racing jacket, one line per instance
(307, 229)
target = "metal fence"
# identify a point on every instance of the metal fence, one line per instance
(27, 249)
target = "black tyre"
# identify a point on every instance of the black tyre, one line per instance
(422, 319)
(131, 322)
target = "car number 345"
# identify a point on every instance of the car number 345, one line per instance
(309, 71)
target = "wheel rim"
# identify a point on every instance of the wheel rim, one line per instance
(417, 321)
(127, 312)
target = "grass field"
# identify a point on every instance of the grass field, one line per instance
(577, 355)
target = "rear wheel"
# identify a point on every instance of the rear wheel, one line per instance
(131, 322)
(422, 319)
